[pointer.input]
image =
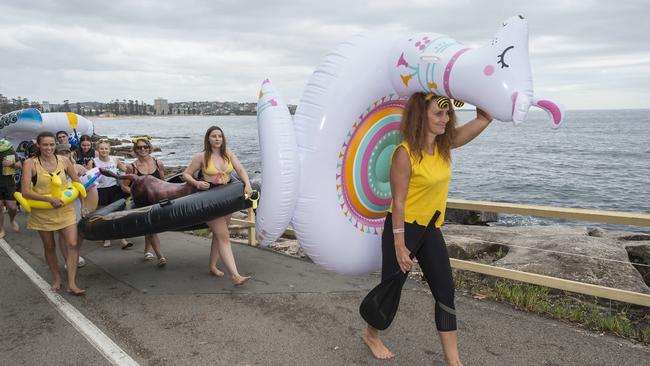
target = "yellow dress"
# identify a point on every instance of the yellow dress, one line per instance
(50, 219)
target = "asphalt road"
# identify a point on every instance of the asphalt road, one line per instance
(291, 313)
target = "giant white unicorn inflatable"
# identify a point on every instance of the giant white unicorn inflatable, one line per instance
(347, 126)
(26, 124)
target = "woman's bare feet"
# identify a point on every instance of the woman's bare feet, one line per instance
(377, 347)
(215, 271)
(76, 291)
(15, 226)
(239, 280)
(56, 284)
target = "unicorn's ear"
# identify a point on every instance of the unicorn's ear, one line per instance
(554, 110)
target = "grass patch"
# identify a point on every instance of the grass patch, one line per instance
(597, 314)
(501, 252)
(646, 335)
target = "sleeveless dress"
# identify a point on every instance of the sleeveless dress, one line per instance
(50, 219)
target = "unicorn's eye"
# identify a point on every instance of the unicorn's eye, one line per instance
(501, 60)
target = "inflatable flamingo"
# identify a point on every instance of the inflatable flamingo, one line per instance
(347, 126)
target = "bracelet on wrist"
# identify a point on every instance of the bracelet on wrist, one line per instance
(398, 231)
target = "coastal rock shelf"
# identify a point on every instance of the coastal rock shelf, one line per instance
(557, 251)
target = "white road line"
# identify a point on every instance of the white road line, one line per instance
(111, 351)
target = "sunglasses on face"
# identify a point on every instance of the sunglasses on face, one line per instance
(142, 147)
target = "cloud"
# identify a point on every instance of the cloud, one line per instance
(221, 50)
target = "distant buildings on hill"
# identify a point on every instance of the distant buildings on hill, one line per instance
(116, 107)
(212, 108)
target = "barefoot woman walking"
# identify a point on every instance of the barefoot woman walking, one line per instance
(61, 218)
(216, 163)
(419, 178)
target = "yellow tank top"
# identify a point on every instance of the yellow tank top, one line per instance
(428, 188)
(212, 171)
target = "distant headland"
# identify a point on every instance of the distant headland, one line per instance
(131, 107)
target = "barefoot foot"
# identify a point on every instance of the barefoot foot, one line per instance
(56, 285)
(215, 271)
(15, 226)
(76, 291)
(377, 348)
(239, 280)
(2, 234)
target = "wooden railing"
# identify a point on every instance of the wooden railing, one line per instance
(248, 225)
(609, 217)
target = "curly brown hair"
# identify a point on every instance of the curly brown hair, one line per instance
(414, 122)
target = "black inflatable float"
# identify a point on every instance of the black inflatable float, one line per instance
(117, 221)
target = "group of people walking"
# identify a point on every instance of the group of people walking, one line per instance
(419, 177)
(53, 157)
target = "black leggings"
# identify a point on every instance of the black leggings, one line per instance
(434, 262)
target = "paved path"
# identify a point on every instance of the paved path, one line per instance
(292, 313)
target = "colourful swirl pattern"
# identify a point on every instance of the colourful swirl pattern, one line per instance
(363, 168)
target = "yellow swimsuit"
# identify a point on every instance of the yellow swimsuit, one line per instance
(50, 219)
(212, 174)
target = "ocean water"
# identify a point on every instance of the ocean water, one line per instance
(598, 159)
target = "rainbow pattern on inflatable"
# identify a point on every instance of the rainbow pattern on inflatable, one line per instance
(363, 169)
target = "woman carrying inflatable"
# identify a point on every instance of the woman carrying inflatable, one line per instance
(145, 164)
(216, 163)
(419, 179)
(40, 171)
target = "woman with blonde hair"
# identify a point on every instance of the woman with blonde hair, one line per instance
(419, 178)
(145, 164)
(109, 189)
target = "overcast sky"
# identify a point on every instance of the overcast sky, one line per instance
(589, 54)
